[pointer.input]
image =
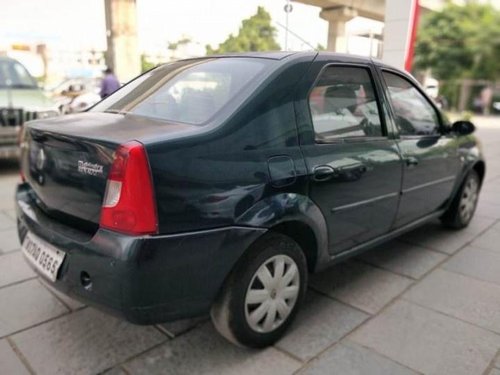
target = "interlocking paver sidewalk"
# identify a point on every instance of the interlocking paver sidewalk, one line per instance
(428, 341)
(84, 342)
(427, 302)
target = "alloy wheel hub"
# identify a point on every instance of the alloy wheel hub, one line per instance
(469, 199)
(272, 293)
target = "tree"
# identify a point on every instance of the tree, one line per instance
(146, 64)
(181, 42)
(174, 46)
(255, 34)
(460, 42)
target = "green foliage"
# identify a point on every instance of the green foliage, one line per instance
(460, 42)
(174, 45)
(451, 91)
(145, 64)
(255, 34)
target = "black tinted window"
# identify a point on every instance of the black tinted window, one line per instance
(15, 75)
(414, 114)
(343, 105)
(186, 91)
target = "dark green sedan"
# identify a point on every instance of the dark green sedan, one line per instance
(217, 184)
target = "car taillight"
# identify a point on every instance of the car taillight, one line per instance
(129, 205)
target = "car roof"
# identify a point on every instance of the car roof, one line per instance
(344, 56)
(298, 55)
(273, 55)
(281, 55)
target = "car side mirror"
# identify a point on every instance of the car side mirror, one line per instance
(463, 127)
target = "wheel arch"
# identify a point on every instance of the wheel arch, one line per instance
(296, 216)
(304, 236)
(480, 168)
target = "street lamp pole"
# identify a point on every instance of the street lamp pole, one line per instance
(288, 9)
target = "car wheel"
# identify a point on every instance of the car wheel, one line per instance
(263, 293)
(462, 209)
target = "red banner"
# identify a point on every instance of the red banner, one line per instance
(412, 34)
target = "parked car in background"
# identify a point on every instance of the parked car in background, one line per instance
(21, 100)
(496, 107)
(76, 94)
(218, 184)
(431, 87)
(495, 103)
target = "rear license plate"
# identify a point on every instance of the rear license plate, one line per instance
(44, 257)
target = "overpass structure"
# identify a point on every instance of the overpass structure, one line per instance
(398, 16)
(121, 28)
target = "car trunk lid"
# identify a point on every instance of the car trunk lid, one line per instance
(66, 161)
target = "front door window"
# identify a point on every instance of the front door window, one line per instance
(414, 114)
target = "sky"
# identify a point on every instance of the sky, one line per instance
(80, 24)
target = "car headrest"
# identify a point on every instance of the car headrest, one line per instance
(339, 97)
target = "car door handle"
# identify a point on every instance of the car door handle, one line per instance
(411, 161)
(323, 173)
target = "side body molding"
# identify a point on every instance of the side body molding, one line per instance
(288, 207)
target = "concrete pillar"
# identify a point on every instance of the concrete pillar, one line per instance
(122, 54)
(337, 18)
(397, 31)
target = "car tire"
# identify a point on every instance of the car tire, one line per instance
(263, 293)
(462, 209)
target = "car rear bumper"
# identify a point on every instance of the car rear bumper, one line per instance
(148, 279)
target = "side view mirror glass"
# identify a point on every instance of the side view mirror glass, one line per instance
(463, 127)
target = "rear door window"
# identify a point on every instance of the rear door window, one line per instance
(343, 105)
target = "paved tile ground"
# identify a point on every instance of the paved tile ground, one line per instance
(426, 303)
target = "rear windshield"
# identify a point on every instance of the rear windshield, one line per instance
(186, 91)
